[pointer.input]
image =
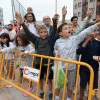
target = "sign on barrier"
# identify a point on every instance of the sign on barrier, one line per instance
(31, 73)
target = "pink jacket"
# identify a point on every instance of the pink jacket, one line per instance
(5, 31)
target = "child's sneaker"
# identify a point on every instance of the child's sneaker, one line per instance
(74, 90)
(8, 86)
(96, 94)
(31, 90)
(86, 93)
(41, 95)
(50, 96)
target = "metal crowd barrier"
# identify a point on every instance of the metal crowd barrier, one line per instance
(4, 79)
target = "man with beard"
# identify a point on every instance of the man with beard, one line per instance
(16, 26)
(12, 32)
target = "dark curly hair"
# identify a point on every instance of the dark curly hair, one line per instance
(23, 38)
(73, 18)
(3, 36)
(34, 19)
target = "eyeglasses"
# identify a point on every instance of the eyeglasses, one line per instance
(46, 18)
(29, 16)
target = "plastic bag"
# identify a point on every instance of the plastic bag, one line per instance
(60, 75)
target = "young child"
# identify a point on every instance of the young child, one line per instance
(23, 45)
(6, 45)
(44, 47)
(89, 48)
(66, 48)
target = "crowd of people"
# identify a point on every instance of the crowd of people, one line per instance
(66, 41)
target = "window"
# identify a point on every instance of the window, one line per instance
(98, 9)
(92, 0)
(79, 4)
(76, 6)
(75, 14)
(79, 14)
(1, 20)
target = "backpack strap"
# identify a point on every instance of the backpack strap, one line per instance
(37, 41)
(50, 43)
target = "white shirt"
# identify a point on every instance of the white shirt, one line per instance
(32, 28)
(12, 34)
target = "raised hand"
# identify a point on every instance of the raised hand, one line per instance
(26, 23)
(64, 11)
(90, 37)
(91, 10)
(90, 13)
(56, 16)
(19, 17)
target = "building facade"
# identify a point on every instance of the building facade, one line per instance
(1, 15)
(81, 8)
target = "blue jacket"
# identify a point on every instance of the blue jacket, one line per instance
(91, 49)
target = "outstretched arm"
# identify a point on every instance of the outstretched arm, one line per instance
(30, 35)
(53, 33)
(86, 32)
(30, 49)
(8, 49)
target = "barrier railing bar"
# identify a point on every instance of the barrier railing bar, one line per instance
(65, 81)
(55, 80)
(19, 69)
(47, 78)
(13, 76)
(39, 77)
(5, 67)
(77, 77)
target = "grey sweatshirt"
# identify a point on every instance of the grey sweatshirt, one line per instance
(67, 47)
